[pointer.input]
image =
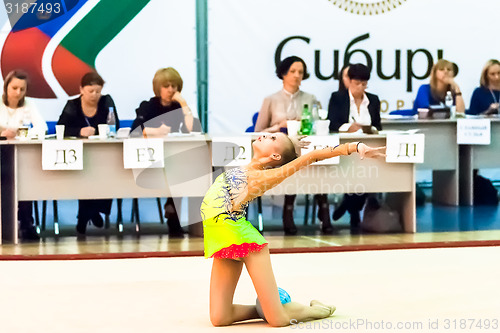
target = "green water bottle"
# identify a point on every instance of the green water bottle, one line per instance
(306, 122)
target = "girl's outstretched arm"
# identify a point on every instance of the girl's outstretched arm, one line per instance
(263, 180)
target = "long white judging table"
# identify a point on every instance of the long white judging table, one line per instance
(442, 155)
(187, 173)
(478, 157)
(452, 164)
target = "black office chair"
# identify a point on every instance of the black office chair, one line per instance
(134, 218)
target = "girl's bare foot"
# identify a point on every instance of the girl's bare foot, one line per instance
(331, 309)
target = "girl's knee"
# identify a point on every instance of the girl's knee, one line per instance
(220, 318)
(278, 322)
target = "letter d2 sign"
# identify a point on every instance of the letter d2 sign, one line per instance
(143, 153)
(405, 148)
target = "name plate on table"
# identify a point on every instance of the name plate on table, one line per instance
(473, 131)
(405, 148)
(231, 151)
(143, 153)
(320, 142)
(62, 155)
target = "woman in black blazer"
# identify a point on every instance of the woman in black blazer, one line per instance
(349, 109)
(339, 108)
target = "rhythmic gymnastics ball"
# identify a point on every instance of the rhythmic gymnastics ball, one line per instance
(284, 298)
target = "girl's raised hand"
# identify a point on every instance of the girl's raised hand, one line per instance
(369, 152)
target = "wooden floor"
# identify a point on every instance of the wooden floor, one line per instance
(161, 246)
(437, 226)
(420, 290)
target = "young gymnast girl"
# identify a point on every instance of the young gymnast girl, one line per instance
(233, 242)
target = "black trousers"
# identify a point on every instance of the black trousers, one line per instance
(89, 208)
(25, 214)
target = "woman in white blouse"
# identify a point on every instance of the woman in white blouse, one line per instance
(15, 111)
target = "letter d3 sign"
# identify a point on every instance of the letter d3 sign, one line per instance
(62, 155)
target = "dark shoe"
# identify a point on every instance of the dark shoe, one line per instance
(81, 226)
(326, 229)
(176, 234)
(288, 223)
(97, 220)
(355, 223)
(355, 219)
(29, 234)
(339, 211)
(174, 227)
(324, 218)
(356, 231)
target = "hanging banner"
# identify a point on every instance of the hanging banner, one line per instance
(396, 39)
(57, 42)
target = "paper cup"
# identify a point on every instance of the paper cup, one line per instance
(103, 131)
(322, 127)
(293, 127)
(22, 132)
(423, 113)
(59, 132)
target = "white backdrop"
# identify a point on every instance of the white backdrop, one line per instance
(244, 36)
(163, 34)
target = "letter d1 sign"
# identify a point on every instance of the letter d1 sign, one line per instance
(405, 148)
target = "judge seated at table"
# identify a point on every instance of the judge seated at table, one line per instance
(81, 117)
(442, 81)
(17, 110)
(485, 99)
(350, 110)
(166, 112)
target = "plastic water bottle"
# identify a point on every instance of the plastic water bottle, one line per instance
(314, 111)
(111, 122)
(27, 119)
(306, 122)
(448, 102)
(315, 116)
(25, 130)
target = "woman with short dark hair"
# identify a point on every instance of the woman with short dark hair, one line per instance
(287, 104)
(350, 109)
(81, 117)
